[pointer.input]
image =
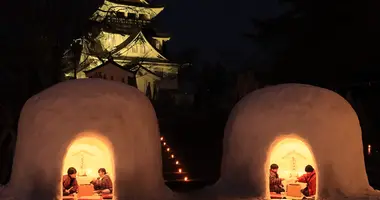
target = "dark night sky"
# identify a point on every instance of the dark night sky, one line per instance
(214, 26)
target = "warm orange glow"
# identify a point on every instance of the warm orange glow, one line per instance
(87, 155)
(180, 170)
(161, 138)
(291, 155)
(186, 178)
(172, 156)
(164, 143)
(167, 149)
(177, 162)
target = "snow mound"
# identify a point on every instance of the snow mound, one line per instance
(51, 120)
(320, 118)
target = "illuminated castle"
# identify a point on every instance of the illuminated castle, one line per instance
(122, 46)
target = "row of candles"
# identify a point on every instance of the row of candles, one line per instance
(369, 149)
(172, 156)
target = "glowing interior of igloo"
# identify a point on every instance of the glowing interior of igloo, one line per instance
(87, 154)
(291, 154)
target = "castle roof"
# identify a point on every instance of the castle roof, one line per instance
(138, 3)
(112, 62)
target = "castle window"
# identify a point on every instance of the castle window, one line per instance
(120, 15)
(132, 16)
(143, 17)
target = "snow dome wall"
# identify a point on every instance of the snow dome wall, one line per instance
(119, 115)
(320, 118)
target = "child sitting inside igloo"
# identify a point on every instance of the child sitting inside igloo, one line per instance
(69, 182)
(310, 178)
(103, 184)
(275, 182)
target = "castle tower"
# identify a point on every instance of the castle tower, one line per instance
(122, 43)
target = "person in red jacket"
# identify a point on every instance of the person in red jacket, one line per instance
(69, 182)
(310, 178)
(103, 184)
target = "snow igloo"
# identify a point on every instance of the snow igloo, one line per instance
(88, 124)
(293, 125)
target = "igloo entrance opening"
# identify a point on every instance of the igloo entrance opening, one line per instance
(88, 155)
(291, 155)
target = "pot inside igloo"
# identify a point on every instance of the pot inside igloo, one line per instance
(291, 155)
(88, 155)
